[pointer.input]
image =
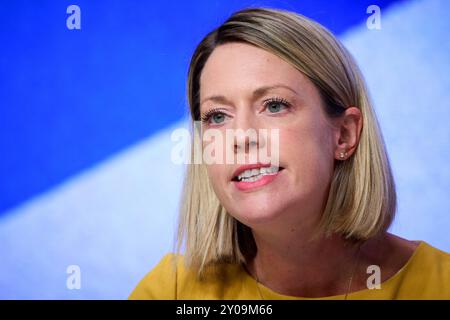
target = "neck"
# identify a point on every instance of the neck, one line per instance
(290, 263)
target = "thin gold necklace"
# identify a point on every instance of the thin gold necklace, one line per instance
(349, 282)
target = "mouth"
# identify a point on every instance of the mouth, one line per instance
(255, 174)
(247, 179)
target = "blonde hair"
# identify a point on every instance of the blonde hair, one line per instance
(362, 197)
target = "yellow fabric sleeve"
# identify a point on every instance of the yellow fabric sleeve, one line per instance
(159, 283)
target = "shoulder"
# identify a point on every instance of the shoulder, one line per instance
(160, 281)
(172, 279)
(428, 273)
(408, 269)
(432, 261)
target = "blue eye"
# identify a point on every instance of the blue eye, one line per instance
(218, 117)
(214, 116)
(276, 105)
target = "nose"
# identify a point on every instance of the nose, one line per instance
(246, 141)
(246, 133)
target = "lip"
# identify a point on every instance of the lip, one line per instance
(249, 186)
(241, 169)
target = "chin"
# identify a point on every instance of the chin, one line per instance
(253, 214)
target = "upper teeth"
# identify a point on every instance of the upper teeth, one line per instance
(255, 172)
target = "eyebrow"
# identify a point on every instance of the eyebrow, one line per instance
(256, 94)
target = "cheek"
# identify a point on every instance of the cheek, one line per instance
(307, 152)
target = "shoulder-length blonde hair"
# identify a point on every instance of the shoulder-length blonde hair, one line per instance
(362, 197)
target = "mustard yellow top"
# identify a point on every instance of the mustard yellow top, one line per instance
(426, 275)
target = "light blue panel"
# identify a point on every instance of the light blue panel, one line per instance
(407, 67)
(113, 221)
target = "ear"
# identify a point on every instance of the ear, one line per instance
(348, 132)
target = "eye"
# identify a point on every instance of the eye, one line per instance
(218, 117)
(214, 116)
(275, 105)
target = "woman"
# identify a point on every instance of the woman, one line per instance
(315, 224)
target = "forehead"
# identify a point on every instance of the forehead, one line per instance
(240, 67)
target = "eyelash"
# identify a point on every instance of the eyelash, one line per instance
(210, 113)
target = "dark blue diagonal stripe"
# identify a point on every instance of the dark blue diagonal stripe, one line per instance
(69, 99)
